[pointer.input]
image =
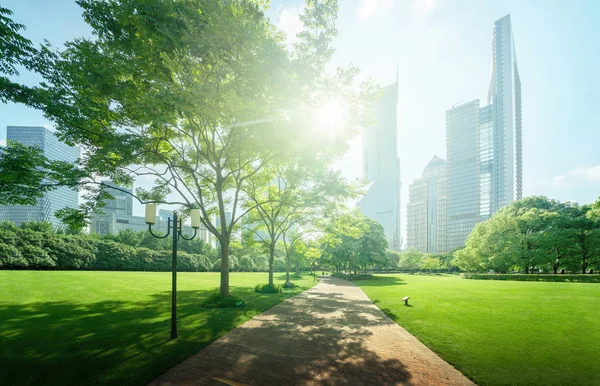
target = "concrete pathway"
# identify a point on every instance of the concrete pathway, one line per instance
(331, 334)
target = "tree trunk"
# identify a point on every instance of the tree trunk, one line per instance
(225, 267)
(287, 273)
(271, 261)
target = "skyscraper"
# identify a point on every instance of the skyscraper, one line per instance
(464, 186)
(484, 145)
(426, 209)
(504, 95)
(52, 201)
(381, 167)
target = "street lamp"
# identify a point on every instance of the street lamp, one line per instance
(177, 226)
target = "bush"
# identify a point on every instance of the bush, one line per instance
(216, 300)
(268, 288)
(351, 276)
(533, 277)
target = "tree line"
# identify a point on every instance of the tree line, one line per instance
(535, 234)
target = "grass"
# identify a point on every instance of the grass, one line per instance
(500, 332)
(73, 327)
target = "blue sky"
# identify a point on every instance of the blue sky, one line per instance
(443, 49)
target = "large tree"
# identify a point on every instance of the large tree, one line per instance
(198, 95)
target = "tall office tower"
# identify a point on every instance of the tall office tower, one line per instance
(426, 209)
(52, 201)
(464, 159)
(381, 167)
(504, 95)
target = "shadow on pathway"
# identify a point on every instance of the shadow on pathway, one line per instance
(331, 334)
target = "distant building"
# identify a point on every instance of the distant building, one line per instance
(426, 209)
(381, 167)
(118, 215)
(52, 201)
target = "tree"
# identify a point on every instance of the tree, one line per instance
(411, 259)
(246, 264)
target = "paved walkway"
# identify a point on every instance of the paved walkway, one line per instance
(331, 334)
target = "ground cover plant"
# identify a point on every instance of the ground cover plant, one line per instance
(499, 332)
(81, 327)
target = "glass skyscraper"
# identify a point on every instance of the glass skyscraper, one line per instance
(62, 197)
(485, 146)
(504, 95)
(381, 166)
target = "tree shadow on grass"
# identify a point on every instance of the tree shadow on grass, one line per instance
(322, 338)
(111, 342)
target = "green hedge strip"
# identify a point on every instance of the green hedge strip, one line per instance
(591, 278)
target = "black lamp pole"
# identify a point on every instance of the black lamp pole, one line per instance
(177, 226)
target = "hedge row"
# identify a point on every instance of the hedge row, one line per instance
(23, 248)
(351, 276)
(590, 278)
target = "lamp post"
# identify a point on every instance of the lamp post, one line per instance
(175, 224)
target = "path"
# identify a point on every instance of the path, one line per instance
(331, 334)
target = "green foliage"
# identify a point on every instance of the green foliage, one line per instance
(516, 277)
(36, 245)
(352, 242)
(246, 264)
(216, 300)
(268, 288)
(352, 276)
(534, 234)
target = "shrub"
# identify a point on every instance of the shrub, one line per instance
(351, 276)
(216, 300)
(269, 288)
(532, 277)
(216, 267)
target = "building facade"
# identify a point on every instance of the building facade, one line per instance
(485, 144)
(52, 201)
(504, 95)
(426, 209)
(464, 188)
(381, 167)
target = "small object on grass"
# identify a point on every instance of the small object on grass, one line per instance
(405, 299)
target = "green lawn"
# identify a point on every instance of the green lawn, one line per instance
(500, 332)
(112, 327)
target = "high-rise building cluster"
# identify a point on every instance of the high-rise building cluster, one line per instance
(484, 150)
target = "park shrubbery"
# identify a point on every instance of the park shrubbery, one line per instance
(269, 288)
(217, 300)
(534, 277)
(351, 276)
(36, 246)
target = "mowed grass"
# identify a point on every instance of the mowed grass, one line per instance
(61, 328)
(500, 332)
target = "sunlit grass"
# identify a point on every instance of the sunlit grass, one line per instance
(113, 327)
(500, 332)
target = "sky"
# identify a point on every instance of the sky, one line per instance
(442, 50)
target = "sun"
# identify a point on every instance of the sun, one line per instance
(330, 116)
